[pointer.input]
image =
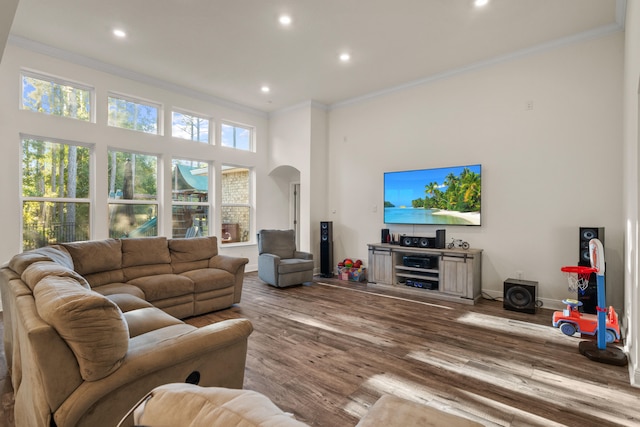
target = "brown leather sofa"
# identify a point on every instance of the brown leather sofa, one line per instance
(91, 327)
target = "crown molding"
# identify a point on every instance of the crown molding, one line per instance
(305, 104)
(577, 38)
(95, 64)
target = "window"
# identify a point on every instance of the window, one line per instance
(188, 126)
(55, 192)
(236, 206)
(133, 199)
(236, 136)
(54, 96)
(129, 113)
(190, 195)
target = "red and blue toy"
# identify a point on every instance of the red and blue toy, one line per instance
(604, 325)
(571, 320)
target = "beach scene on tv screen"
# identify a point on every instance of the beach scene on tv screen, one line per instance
(433, 196)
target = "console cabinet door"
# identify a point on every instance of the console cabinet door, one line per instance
(455, 275)
(381, 266)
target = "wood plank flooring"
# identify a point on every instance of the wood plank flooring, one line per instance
(327, 351)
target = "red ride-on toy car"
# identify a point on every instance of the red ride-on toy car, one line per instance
(570, 321)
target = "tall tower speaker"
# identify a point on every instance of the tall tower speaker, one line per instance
(326, 249)
(589, 296)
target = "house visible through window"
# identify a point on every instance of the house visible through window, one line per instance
(190, 195)
(236, 136)
(54, 96)
(189, 126)
(133, 200)
(55, 192)
(130, 113)
(236, 204)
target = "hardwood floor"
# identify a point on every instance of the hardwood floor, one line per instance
(327, 351)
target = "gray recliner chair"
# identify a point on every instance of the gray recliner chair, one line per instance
(279, 263)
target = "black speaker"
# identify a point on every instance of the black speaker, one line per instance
(586, 234)
(520, 295)
(441, 239)
(427, 242)
(385, 237)
(326, 249)
(409, 241)
(589, 296)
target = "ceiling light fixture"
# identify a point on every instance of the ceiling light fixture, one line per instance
(265, 89)
(285, 20)
(119, 33)
(480, 3)
(345, 57)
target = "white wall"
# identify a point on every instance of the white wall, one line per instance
(545, 172)
(631, 163)
(298, 137)
(13, 122)
(289, 144)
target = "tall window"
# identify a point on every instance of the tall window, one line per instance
(236, 136)
(131, 113)
(236, 204)
(133, 197)
(189, 126)
(55, 192)
(54, 96)
(190, 195)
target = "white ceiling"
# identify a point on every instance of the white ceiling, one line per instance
(228, 49)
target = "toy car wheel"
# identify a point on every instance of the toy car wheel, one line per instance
(465, 245)
(610, 336)
(568, 329)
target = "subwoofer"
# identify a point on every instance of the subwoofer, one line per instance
(326, 249)
(520, 295)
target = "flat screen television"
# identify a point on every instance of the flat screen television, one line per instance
(440, 196)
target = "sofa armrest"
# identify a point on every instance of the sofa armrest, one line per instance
(303, 255)
(228, 263)
(217, 352)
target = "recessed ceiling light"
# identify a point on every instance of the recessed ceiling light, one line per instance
(285, 20)
(480, 3)
(119, 33)
(345, 57)
(265, 89)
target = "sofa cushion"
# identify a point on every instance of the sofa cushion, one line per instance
(104, 277)
(119, 288)
(207, 279)
(277, 242)
(163, 286)
(143, 320)
(393, 411)
(92, 326)
(127, 302)
(56, 253)
(145, 251)
(41, 269)
(193, 249)
(94, 256)
(189, 404)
